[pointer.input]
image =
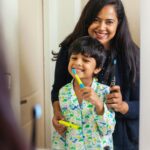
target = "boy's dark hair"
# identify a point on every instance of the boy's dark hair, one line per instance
(89, 47)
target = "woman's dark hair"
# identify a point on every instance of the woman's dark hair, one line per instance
(89, 47)
(121, 45)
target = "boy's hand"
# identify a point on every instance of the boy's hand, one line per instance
(58, 127)
(58, 116)
(88, 94)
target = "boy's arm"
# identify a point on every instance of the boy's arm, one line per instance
(106, 121)
(88, 94)
(104, 117)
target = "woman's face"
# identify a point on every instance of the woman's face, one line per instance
(104, 27)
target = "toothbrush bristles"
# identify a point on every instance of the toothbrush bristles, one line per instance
(74, 71)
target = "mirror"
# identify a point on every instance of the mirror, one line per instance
(34, 30)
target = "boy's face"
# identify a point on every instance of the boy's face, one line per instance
(85, 66)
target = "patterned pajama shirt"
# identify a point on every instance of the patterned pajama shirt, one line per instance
(95, 130)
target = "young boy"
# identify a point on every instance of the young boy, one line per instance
(85, 107)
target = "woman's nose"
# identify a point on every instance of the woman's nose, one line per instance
(102, 25)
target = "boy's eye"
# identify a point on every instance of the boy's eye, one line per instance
(86, 60)
(73, 58)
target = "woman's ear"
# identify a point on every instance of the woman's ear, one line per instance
(97, 70)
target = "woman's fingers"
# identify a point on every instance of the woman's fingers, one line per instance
(115, 93)
(111, 101)
(113, 106)
(115, 88)
(114, 99)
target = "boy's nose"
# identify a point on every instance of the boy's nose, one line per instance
(79, 62)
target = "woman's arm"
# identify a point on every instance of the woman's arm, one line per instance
(133, 103)
(60, 79)
(128, 106)
(125, 100)
(61, 76)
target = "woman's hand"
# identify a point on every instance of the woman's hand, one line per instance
(89, 95)
(114, 100)
(58, 116)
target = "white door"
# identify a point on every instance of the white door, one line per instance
(31, 65)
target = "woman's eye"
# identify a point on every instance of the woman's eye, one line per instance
(109, 22)
(96, 20)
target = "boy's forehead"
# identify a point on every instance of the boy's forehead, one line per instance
(83, 54)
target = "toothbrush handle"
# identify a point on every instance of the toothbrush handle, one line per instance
(79, 81)
(68, 124)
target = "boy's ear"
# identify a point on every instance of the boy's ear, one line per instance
(97, 70)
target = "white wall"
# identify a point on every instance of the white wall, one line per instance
(132, 9)
(145, 75)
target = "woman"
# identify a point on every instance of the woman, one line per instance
(106, 21)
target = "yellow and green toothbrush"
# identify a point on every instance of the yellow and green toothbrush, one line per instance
(69, 124)
(77, 78)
